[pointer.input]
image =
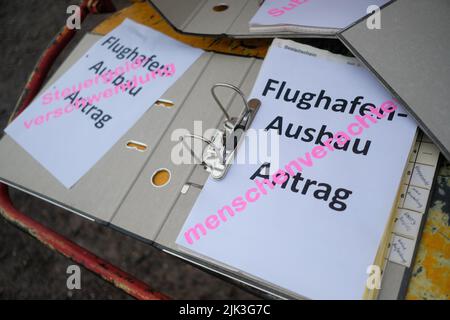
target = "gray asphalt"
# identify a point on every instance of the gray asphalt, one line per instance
(29, 270)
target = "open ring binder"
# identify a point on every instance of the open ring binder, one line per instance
(124, 197)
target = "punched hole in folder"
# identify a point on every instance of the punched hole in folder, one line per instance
(164, 103)
(220, 7)
(160, 177)
(136, 145)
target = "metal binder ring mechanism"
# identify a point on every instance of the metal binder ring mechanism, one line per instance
(220, 150)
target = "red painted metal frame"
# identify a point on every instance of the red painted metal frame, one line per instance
(50, 238)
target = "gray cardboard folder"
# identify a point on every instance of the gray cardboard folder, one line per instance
(118, 190)
(410, 55)
(201, 17)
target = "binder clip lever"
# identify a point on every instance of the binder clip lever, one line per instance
(220, 150)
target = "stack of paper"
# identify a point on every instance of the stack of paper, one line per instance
(324, 17)
(343, 146)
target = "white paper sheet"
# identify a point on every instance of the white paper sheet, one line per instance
(68, 143)
(312, 13)
(294, 240)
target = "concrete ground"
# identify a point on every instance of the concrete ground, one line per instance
(28, 269)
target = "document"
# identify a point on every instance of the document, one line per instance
(71, 125)
(313, 224)
(327, 14)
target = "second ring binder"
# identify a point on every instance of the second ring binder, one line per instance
(220, 150)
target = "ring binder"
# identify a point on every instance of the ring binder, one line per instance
(220, 150)
(127, 201)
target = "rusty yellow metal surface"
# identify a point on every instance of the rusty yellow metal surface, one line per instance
(431, 269)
